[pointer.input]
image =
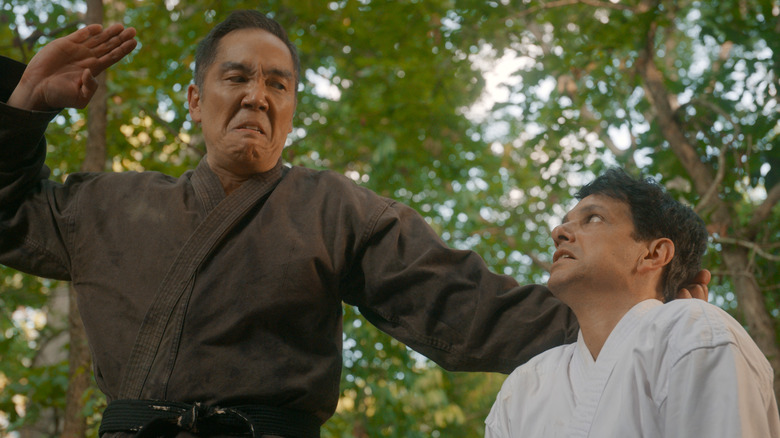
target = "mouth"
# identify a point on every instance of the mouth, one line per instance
(562, 254)
(250, 127)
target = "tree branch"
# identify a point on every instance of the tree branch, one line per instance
(753, 246)
(25, 45)
(33, 37)
(160, 121)
(564, 3)
(730, 273)
(761, 214)
(658, 96)
(707, 198)
(712, 191)
(629, 152)
(771, 288)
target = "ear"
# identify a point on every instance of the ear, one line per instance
(193, 98)
(659, 254)
(295, 109)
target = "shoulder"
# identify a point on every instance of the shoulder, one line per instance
(690, 324)
(332, 187)
(695, 321)
(324, 177)
(121, 182)
(104, 191)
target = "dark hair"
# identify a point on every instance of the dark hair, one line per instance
(656, 214)
(237, 20)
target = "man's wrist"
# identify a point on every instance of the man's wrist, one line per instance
(15, 116)
(23, 98)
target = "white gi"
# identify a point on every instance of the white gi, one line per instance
(682, 369)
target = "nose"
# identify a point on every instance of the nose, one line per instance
(562, 233)
(255, 97)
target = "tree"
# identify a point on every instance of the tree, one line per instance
(637, 67)
(388, 98)
(79, 360)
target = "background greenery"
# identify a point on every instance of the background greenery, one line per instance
(482, 115)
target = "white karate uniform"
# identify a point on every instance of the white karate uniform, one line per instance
(682, 369)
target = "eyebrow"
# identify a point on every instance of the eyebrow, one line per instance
(232, 65)
(287, 74)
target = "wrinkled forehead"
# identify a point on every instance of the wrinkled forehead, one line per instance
(254, 47)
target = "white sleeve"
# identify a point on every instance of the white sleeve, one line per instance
(722, 391)
(497, 421)
(496, 424)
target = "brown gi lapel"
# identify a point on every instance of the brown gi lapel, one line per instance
(177, 284)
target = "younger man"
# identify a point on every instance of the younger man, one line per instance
(640, 368)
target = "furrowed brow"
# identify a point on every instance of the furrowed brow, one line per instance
(283, 73)
(237, 66)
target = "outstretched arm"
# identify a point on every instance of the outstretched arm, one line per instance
(62, 73)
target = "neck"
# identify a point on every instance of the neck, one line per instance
(596, 334)
(596, 326)
(232, 177)
(599, 316)
(230, 182)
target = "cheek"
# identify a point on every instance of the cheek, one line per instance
(216, 118)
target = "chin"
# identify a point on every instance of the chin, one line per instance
(560, 288)
(253, 160)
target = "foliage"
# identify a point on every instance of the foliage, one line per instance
(388, 98)
(580, 86)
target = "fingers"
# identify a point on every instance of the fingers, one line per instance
(684, 293)
(103, 35)
(85, 33)
(115, 48)
(88, 85)
(697, 290)
(110, 39)
(703, 277)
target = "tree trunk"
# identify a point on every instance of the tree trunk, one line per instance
(753, 306)
(95, 157)
(79, 360)
(750, 299)
(79, 363)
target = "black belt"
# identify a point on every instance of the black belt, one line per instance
(152, 418)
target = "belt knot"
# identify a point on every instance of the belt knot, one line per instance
(189, 419)
(195, 418)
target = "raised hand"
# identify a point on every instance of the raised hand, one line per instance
(62, 74)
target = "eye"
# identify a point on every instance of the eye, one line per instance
(278, 85)
(594, 218)
(236, 79)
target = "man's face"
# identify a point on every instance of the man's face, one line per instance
(595, 250)
(246, 103)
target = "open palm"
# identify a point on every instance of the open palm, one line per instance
(62, 74)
